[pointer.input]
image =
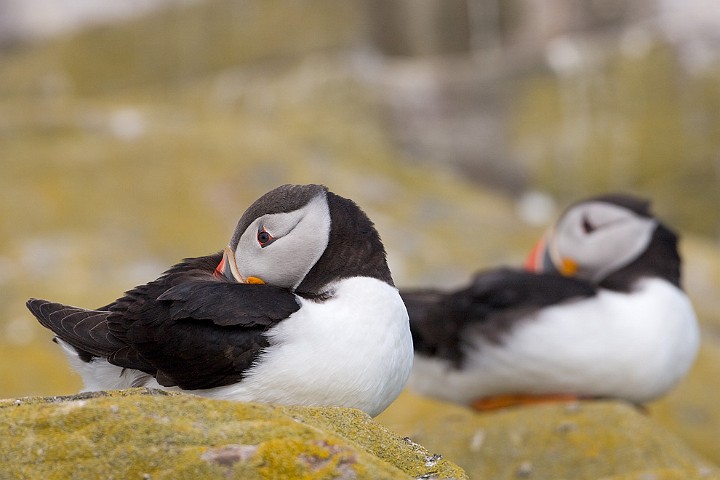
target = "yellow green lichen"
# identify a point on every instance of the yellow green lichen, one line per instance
(137, 433)
(378, 440)
(584, 440)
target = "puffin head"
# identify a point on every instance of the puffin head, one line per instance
(596, 237)
(303, 237)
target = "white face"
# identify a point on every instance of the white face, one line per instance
(281, 248)
(599, 238)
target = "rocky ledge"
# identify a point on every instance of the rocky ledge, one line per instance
(589, 440)
(149, 434)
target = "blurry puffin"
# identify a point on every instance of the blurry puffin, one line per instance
(299, 309)
(616, 323)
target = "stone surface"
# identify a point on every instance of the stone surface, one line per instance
(586, 440)
(149, 434)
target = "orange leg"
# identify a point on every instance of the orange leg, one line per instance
(514, 400)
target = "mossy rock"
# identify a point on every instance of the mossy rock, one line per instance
(578, 440)
(149, 434)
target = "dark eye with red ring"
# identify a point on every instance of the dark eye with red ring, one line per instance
(264, 238)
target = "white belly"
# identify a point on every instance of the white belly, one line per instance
(634, 347)
(353, 350)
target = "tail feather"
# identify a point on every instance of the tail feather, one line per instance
(86, 330)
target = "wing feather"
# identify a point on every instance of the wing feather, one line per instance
(187, 328)
(86, 330)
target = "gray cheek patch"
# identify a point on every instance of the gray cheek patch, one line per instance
(301, 238)
(619, 239)
(637, 237)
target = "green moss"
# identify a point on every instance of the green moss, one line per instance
(399, 451)
(145, 432)
(317, 460)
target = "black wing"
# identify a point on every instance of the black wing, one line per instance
(503, 288)
(86, 330)
(493, 302)
(186, 328)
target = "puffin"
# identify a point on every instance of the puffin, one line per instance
(299, 309)
(597, 312)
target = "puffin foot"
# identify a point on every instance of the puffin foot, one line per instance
(498, 402)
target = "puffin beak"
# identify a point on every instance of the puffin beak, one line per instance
(228, 268)
(534, 261)
(541, 259)
(568, 266)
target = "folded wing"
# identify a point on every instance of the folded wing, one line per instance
(492, 304)
(187, 328)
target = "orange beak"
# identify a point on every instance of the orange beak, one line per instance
(228, 268)
(568, 266)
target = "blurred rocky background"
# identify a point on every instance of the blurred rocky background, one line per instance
(133, 134)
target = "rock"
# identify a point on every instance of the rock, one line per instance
(585, 440)
(151, 434)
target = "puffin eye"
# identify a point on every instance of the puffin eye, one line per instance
(264, 238)
(587, 226)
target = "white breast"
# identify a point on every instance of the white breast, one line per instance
(352, 350)
(632, 346)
